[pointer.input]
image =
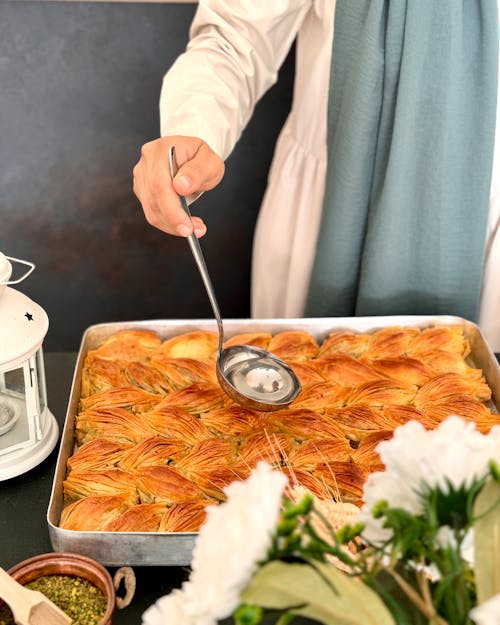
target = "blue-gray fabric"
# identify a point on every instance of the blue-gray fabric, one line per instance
(411, 128)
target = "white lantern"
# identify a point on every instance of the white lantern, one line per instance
(28, 430)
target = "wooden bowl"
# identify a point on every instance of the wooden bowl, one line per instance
(71, 564)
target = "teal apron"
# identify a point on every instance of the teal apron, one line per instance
(411, 129)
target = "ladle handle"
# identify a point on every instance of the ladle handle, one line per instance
(194, 244)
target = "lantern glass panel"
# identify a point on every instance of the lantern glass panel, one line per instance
(16, 430)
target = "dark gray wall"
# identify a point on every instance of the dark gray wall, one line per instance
(79, 88)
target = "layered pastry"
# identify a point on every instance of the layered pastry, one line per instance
(157, 439)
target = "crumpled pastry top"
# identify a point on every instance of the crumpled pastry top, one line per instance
(157, 439)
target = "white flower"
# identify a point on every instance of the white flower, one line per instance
(416, 458)
(234, 538)
(488, 613)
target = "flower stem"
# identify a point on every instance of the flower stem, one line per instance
(424, 606)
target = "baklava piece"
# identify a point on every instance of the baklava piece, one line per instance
(198, 344)
(440, 338)
(183, 517)
(403, 369)
(233, 422)
(181, 372)
(177, 423)
(130, 397)
(351, 343)
(101, 374)
(162, 484)
(382, 392)
(93, 513)
(146, 377)
(129, 345)
(391, 342)
(312, 452)
(80, 484)
(116, 424)
(323, 395)
(358, 421)
(303, 424)
(254, 339)
(97, 455)
(446, 386)
(153, 451)
(143, 517)
(346, 370)
(293, 346)
(196, 398)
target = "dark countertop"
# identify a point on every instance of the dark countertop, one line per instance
(23, 524)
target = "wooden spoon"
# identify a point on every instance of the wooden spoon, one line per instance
(29, 607)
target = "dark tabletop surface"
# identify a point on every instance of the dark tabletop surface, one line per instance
(23, 524)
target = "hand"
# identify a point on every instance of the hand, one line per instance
(200, 169)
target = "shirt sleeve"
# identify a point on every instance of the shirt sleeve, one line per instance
(235, 50)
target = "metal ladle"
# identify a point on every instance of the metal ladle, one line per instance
(251, 376)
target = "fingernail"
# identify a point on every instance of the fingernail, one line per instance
(182, 184)
(183, 230)
(199, 232)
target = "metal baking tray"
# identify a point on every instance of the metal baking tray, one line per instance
(175, 549)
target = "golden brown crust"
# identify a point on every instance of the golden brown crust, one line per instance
(130, 397)
(446, 386)
(161, 484)
(366, 454)
(233, 422)
(307, 372)
(183, 517)
(93, 513)
(344, 479)
(302, 424)
(146, 377)
(206, 455)
(116, 424)
(181, 372)
(346, 370)
(130, 345)
(391, 342)
(79, 484)
(97, 455)
(143, 517)
(293, 346)
(382, 392)
(351, 343)
(196, 398)
(442, 338)
(255, 339)
(402, 369)
(198, 344)
(153, 451)
(358, 421)
(272, 448)
(319, 451)
(177, 423)
(155, 410)
(321, 396)
(100, 374)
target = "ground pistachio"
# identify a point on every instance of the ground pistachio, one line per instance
(83, 602)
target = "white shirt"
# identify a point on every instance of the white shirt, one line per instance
(233, 57)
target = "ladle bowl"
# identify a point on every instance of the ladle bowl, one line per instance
(250, 376)
(255, 378)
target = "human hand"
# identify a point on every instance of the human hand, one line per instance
(200, 169)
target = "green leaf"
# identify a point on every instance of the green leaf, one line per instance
(320, 592)
(487, 541)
